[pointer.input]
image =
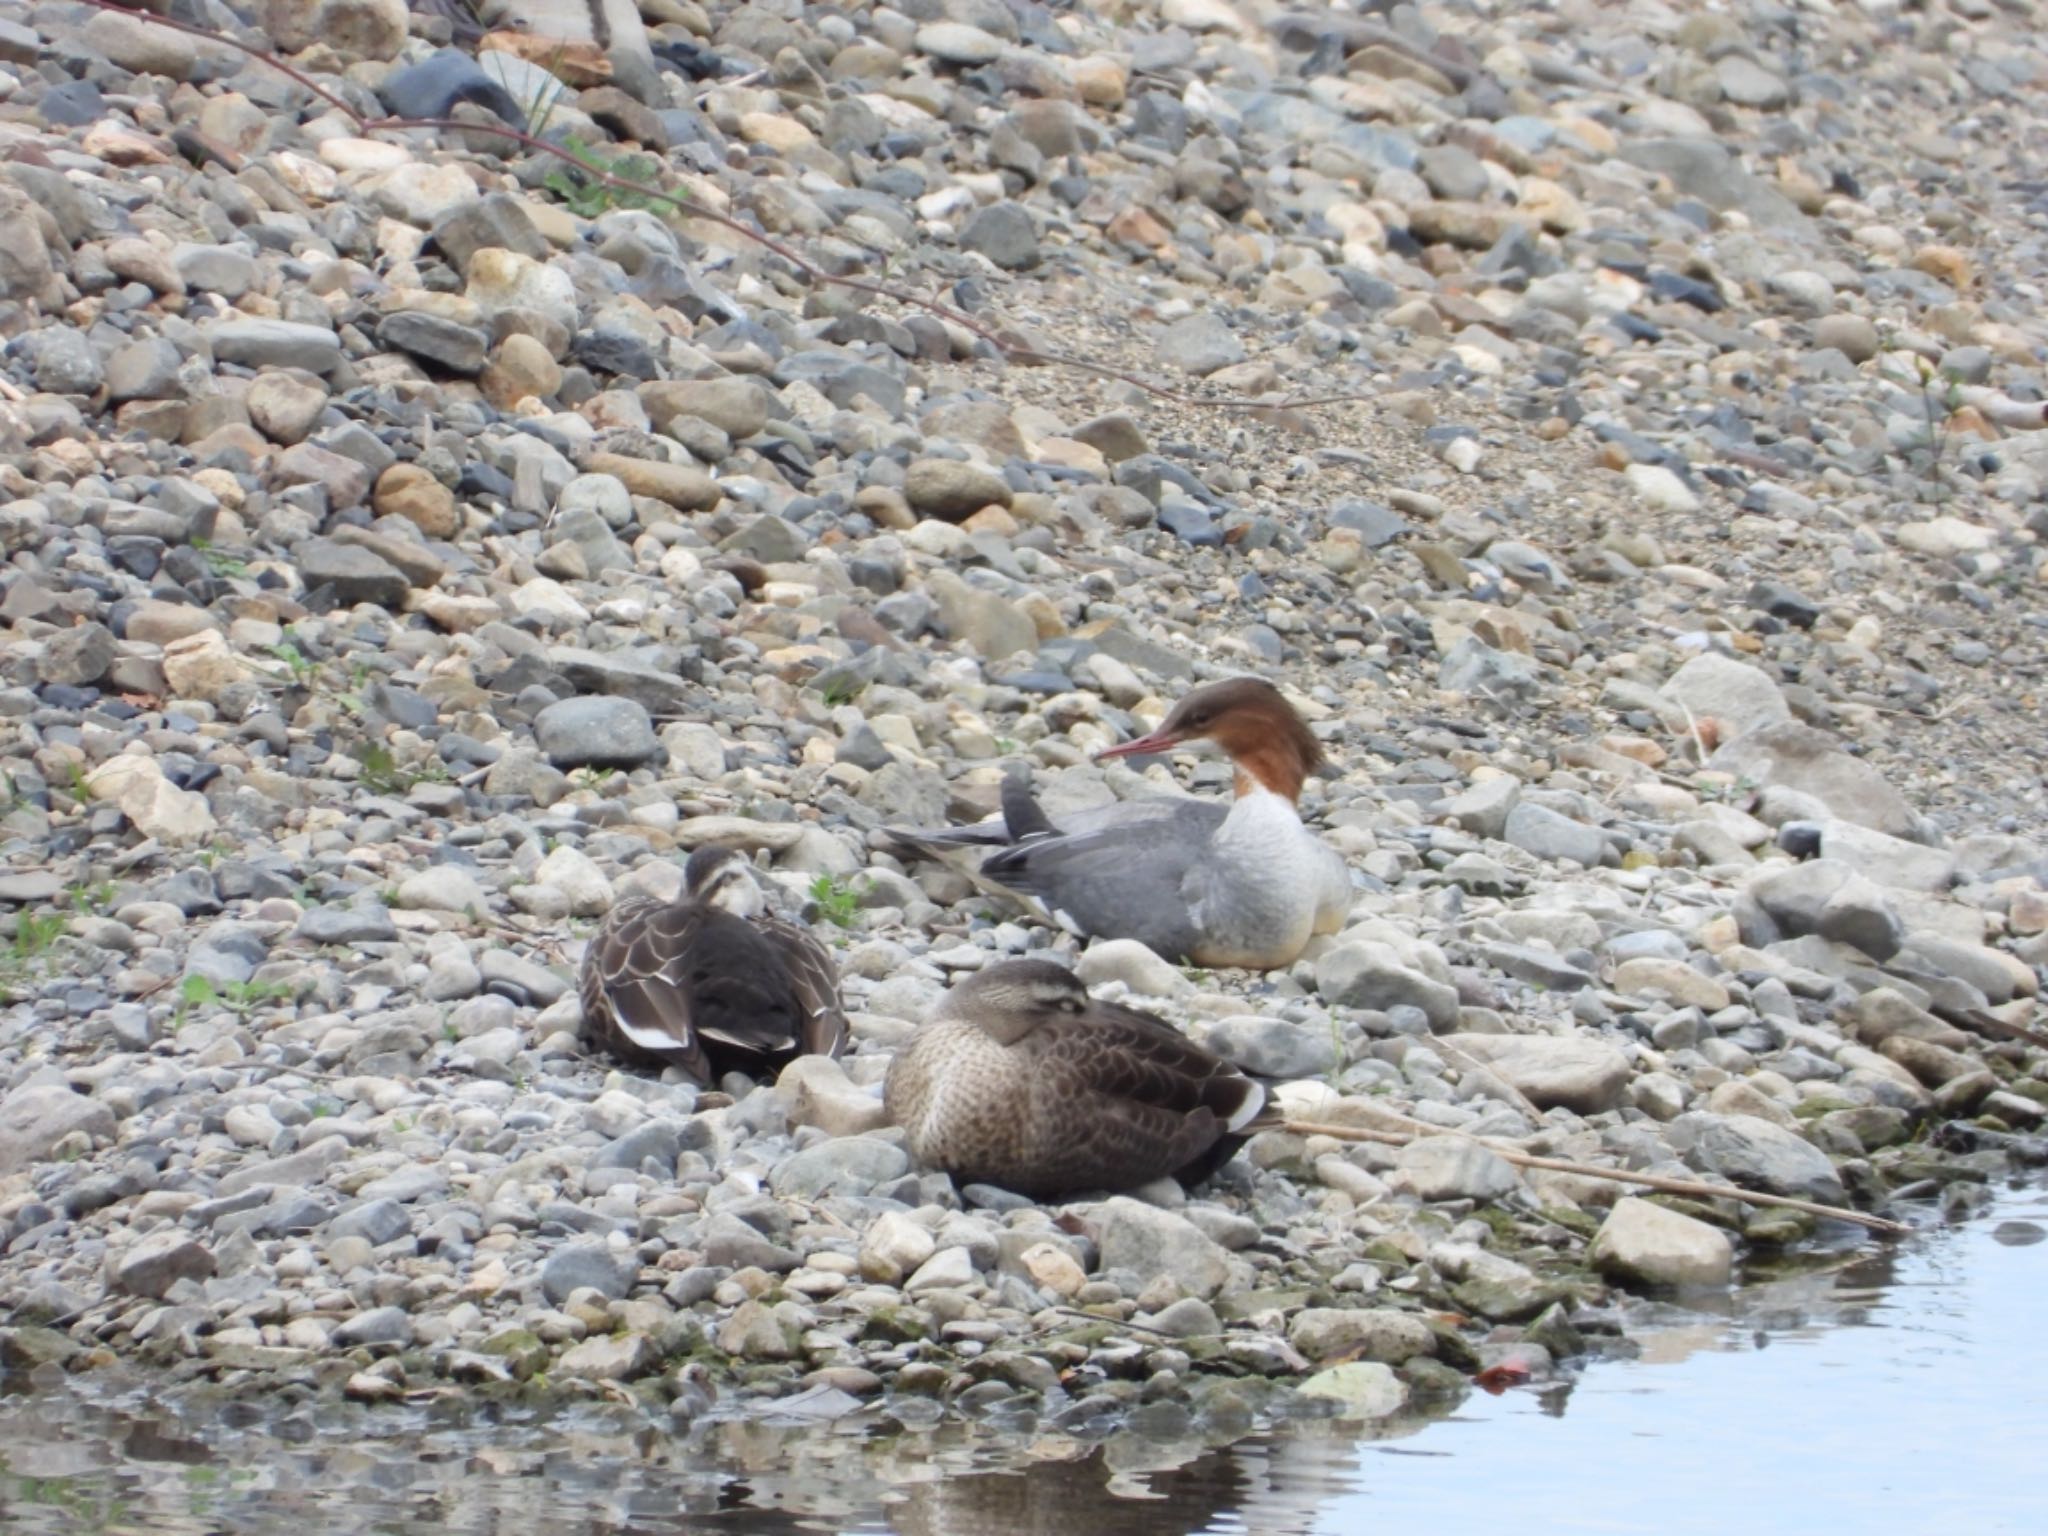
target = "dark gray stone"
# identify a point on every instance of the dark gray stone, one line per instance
(596, 733)
(588, 1265)
(1002, 232)
(355, 574)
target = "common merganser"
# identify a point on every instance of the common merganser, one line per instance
(1023, 1080)
(1243, 884)
(711, 983)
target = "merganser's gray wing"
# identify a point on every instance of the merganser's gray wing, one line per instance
(1116, 872)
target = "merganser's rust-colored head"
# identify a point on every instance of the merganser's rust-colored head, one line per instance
(1247, 717)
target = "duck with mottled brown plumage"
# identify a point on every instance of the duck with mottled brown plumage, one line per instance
(1023, 1080)
(712, 983)
(1237, 884)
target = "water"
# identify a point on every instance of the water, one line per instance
(1900, 1389)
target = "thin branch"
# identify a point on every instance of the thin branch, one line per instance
(1010, 348)
(1697, 1188)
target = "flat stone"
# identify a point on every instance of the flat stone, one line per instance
(851, 1165)
(34, 1118)
(157, 1261)
(1756, 1154)
(596, 732)
(1363, 1389)
(587, 1265)
(1453, 1168)
(1360, 1333)
(1585, 1076)
(1364, 974)
(1153, 1243)
(355, 574)
(1644, 1243)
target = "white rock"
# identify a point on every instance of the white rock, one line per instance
(501, 279)
(1661, 489)
(443, 888)
(1647, 1243)
(947, 1270)
(251, 1125)
(894, 1246)
(423, 195)
(576, 875)
(1130, 962)
(1365, 1388)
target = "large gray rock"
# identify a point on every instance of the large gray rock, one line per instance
(1269, 1047)
(953, 489)
(596, 733)
(1367, 1333)
(1709, 171)
(1584, 1076)
(1755, 1154)
(1644, 1243)
(356, 574)
(275, 344)
(1152, 1243)
(1793, 756)
(158, 1261)
(851, 1165)
(1364, 974)
(1453, 1168)
(1550, 835)
(1716, 687)
(590, 1265)
(1002, 232)
(1199, 344)
(34, 1118)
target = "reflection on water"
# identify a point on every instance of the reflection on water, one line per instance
(1888, 1389)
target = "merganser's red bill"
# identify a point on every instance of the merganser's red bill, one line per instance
(1144, 746)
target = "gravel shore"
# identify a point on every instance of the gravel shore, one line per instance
(411, 550)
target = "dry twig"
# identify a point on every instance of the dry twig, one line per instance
(1697, 1188)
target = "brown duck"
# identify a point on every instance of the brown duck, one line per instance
(1021, 1079)
(712, 983)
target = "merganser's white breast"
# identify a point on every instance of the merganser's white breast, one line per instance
(1259, 891)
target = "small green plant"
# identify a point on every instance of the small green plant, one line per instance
(86, 899)
(381, 774)
(223, 565)
(841, 688)
(540, 107)
(1940, 392)
(240, 998)
(1941, 397)
(592, 778)
(587, 197)
(36, 932)
(75, 781)
(296, 662)
(837, 900)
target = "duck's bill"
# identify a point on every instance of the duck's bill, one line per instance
(1144, 746)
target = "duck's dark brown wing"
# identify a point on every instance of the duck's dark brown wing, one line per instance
(633, 1002)
(675, 984)
(815, 978)
(1132, 1099)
